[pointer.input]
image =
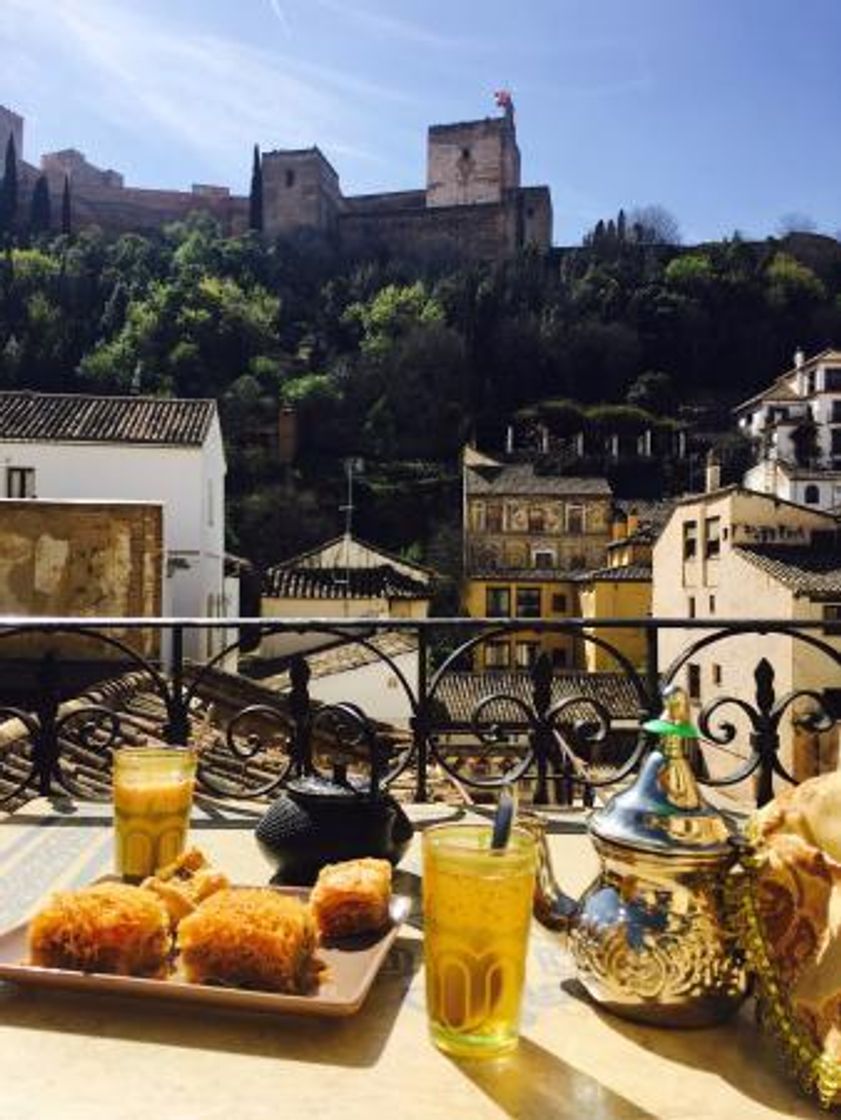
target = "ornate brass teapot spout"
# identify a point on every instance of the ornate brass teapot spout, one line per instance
(650, 937)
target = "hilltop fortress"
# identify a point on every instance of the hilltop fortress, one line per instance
(473, 204)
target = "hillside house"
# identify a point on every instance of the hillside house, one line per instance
(64, 447)
(796, 427)
(731, 553)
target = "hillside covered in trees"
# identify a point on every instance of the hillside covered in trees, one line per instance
(399, 361)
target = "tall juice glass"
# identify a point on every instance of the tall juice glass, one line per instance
(477, 907)
(153, 796)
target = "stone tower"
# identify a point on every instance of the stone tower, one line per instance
(300, 191)
(470, 162)
(11, 124)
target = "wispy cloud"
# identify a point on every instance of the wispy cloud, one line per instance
(210, 94)
(280, 16)
(394, 27)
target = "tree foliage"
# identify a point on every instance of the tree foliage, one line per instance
(400, 362)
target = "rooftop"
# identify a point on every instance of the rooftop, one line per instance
(813, 572)
(83, 418)
(383, 581)
(625, 573)
(460, 693)
(521, 478)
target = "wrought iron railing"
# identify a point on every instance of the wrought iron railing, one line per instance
(563, 734)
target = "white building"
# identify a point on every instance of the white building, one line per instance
(796, 424)
(132, 449)
(734, 554)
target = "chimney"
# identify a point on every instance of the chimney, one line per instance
(544, 438)
(799, 358)
(633, 521)
(287, 435)
(619, 526)
(712, 473)
(509, 439)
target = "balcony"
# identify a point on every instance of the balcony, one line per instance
(80, 688)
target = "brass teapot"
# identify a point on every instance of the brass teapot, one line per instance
(651, 938)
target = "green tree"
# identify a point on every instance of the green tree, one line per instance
(9, 187)
(66, 208)
(40, 218)
(255, 197)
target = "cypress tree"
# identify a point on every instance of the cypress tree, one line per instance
(621, 224)
(40, 217)
(255, 199)
(9, 188)
(66, 224)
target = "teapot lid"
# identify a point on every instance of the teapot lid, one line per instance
(341, 788)
(664, 811)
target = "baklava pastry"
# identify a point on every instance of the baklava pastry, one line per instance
(352, 897)
(184, 883)
(107, 927)
(250, 937)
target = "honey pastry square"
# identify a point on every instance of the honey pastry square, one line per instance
(352, 897)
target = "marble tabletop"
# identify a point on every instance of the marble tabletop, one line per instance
(66, 1056)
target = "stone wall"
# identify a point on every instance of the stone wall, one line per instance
(66, 559)
(300, 191)
(471, 162)
(11, 124)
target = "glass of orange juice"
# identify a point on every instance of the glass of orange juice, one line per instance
(477, 906)
(153, 796)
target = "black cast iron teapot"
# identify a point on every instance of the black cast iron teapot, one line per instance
(320, 820)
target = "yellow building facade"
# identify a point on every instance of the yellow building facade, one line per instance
(526, 535)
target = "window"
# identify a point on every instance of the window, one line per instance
(493, 517)
(465, 153)
(716, 674)
(712, 604)
(836, 412)
(690, 540)
(290, 178)
(832, 618)
(575, 519)
(497, 655)
(537, 521)
(543, 558)
(20, 482)
(526, 653)
(836, 440)
(497, 602)
(832, 379)
(559, 658)
(812, 495)
(693, 681)
(712, 530)
(559, 604)
(691, 606)
(528, 602)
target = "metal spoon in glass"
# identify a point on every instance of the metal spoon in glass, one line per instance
(506, 810)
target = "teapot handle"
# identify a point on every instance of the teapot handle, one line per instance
(366, 735)
(552, 907)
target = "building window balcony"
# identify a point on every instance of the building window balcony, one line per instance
(528, 602)
(20, 482)
(497, 602)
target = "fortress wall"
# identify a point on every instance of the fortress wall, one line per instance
(481, 232)
(136, 209)
(388, 200)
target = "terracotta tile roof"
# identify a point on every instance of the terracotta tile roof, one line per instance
(382, 581)
(521, 478)
(521, 575)
(459, 693)
(627, 573)
(811, 571)
(70, 417)
(349, 655)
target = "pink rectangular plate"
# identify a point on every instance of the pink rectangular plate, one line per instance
(352, 964)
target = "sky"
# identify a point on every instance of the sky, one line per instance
(725, 112)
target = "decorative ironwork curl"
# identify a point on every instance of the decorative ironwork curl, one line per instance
(244, 749)
(31, 725)
(97, 733)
